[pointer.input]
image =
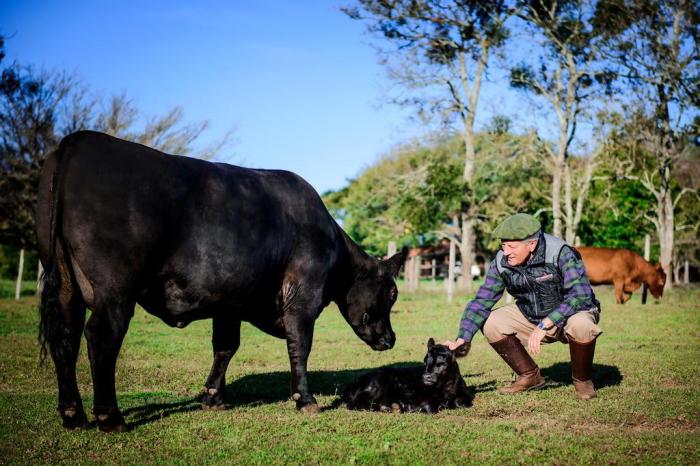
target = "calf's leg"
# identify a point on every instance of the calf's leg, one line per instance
(105, 331)
(226, 338)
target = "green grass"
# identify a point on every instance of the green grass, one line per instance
(647, 412)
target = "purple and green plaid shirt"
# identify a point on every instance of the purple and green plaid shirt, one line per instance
(578, 295)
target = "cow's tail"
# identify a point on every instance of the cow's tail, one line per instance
(51, 322)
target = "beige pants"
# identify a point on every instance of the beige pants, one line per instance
(508, 320)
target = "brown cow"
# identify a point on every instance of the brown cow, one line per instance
(624, 269)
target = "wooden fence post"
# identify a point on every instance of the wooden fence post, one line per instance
(39, 270)
(686, 273)
(20, 270)
(417, 264)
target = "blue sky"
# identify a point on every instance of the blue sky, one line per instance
(298, 80)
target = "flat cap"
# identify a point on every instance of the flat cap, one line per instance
(518, 226)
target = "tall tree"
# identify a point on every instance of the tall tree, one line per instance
(655, 46)
(439, 52)
(566, 75)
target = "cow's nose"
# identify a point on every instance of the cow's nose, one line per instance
(387, 343)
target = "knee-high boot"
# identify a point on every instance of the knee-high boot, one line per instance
(513, 353)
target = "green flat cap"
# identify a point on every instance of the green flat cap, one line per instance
(518, 226)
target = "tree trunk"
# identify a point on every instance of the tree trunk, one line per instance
(666, 235)
(467, 243)
(451, 272)
(569, 232)
(556, 197)
(467, 251)
(20, 270)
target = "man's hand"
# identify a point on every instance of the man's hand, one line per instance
(533, 343)
(537, 335)
(460, 347)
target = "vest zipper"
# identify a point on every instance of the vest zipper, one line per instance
(532, 292)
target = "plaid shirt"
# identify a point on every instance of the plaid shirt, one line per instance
(578, 295)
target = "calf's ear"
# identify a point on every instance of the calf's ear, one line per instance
(431, 343)
(395, 262)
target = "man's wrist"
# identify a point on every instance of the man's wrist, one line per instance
(545, 324)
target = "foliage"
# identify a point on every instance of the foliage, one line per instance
(436, 50)
(638, 414)
(368, 207)
(38, 108)
(419, 188)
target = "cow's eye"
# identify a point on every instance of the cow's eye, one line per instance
(365, 319)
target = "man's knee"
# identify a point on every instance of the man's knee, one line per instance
(495, 330)
(582, 327)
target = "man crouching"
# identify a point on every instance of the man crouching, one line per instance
(553, 302)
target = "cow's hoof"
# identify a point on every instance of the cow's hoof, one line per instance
(310, 409)
(111, 423)
(74, 419)
(213, 407)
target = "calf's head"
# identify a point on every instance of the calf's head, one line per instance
(367, 304)
(439, 366)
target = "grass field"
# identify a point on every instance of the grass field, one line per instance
(646, 371)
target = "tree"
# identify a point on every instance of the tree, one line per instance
(37, 109)
(655, 46)
(567, 76)
(439, 52)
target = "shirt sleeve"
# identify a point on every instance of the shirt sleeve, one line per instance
(479, 308)
(578, 294)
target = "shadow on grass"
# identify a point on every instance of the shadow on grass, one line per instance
(273, 387)
(560, 374)
(266, 388)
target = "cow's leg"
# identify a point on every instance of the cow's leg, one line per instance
(226, 338)
(299, 327)
(65, 354)
(105, 331)
(619, 292)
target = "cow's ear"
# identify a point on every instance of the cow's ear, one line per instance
(431, 343)
(396, 261)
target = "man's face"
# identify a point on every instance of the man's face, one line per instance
(517, 252)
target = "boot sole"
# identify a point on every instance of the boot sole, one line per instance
(529, 389)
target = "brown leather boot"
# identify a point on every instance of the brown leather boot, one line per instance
(513, 353)
(581, 367)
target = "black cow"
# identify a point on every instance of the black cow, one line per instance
(119, 223)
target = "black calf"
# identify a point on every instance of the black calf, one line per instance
(435, 386)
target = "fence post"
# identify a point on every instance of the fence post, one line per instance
(18, 286)
(686, 272)
(432, 270)
(391, 249)
(451, 272)
(647, 255)
(39, 270)
(416, 271)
